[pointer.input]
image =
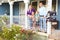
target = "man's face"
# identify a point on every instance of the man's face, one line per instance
(30, 6)
(40, 4)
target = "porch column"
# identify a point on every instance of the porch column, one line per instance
(0, 2)
(49, 5)
(26, 8)
(49, 8)
(11, 13)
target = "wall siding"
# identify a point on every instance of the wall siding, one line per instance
(58, 16)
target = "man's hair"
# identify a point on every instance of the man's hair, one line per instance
(43, 2)
(29, 4)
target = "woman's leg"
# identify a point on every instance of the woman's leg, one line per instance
(29, 22)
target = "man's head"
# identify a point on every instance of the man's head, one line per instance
(41, 3)
(30, 6)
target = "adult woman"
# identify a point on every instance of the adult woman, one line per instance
(30, 15)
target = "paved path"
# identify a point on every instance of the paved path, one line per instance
(55, 35)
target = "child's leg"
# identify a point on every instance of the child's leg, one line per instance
(34, 24)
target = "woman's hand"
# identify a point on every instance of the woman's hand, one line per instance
(29, 16)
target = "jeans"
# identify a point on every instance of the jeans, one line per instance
(30, 22)
(43, 24)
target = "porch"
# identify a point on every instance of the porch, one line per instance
(16, 10)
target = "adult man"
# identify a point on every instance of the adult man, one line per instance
(43, 13)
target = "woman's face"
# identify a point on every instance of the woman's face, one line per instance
(30, 6)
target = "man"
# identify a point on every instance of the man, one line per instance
(43, 13)
(30, 15)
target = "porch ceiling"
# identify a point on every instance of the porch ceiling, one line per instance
(6, 1)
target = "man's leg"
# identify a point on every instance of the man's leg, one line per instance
(44, 25)
(41, 24)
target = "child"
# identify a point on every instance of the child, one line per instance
(37, 17)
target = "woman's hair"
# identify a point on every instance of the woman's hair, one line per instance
(30, 4)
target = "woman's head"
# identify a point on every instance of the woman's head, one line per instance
(30, 6)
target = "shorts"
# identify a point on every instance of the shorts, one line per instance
(37, 23)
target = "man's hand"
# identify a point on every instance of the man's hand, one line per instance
(45, 17)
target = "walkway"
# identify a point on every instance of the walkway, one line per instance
(55, 35)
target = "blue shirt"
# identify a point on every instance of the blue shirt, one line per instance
(42, 11)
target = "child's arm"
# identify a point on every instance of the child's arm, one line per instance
(39, 16)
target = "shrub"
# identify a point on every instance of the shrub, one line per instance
(15, 32)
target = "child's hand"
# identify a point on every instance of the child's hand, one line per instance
(37, 12)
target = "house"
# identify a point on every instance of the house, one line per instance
(16, 9)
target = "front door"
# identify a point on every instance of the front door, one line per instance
(22, 13)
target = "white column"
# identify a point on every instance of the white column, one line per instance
(49, 5)
(49, 8)
(37, 4)
(26, 8)
(0, 2)
(11, 13)
(57, 7)
(48, 28)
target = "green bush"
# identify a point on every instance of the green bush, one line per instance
(15, 32)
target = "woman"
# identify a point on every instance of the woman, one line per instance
(30, 14)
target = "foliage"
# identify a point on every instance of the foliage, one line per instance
(3, 20)
(15, 32)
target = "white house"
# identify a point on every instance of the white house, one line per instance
(16, 9)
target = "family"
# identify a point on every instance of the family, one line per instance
(37, 18)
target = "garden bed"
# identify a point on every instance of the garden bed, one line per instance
(16, 32)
